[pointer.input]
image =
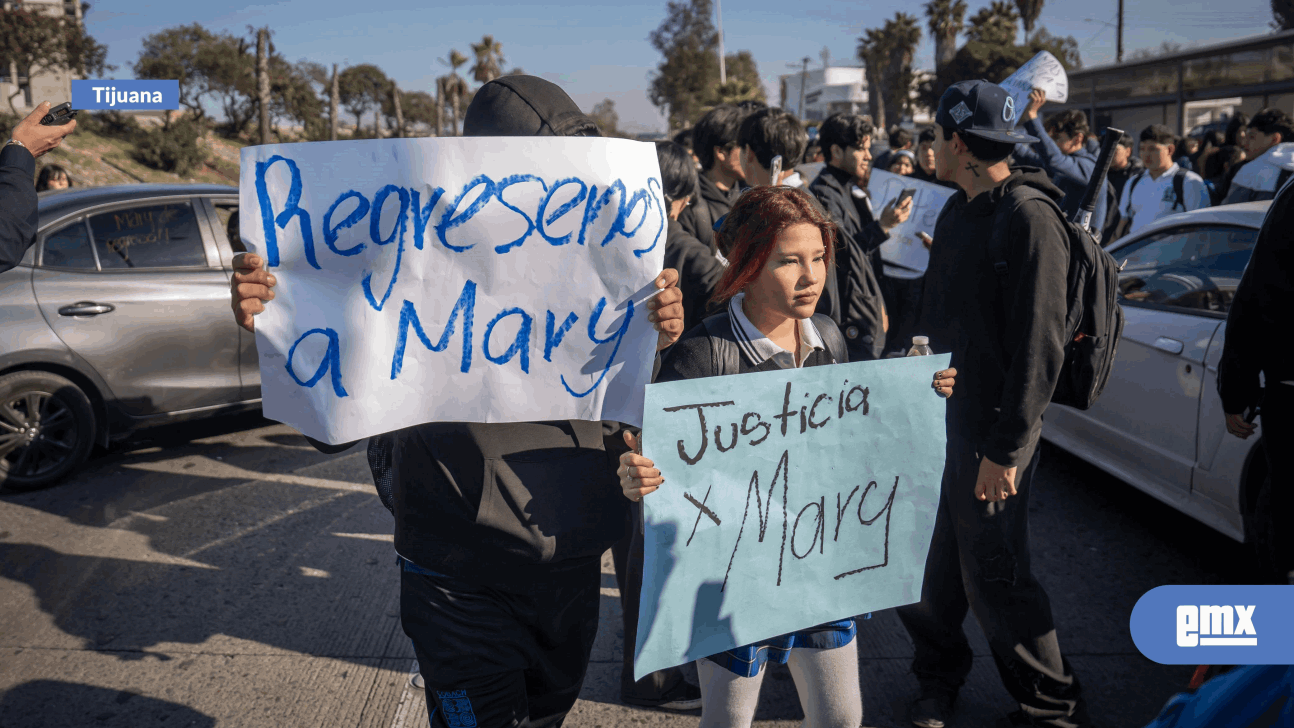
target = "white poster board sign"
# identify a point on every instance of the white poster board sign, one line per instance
(454, 279)
(903, 254)
(1043, 71)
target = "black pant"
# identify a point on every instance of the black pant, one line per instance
(1276, 424)
(627, 555)
(902, 298)
(979, 560)
(491, 658)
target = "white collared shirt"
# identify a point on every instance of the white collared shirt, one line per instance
(758, 348)
(1146, 199)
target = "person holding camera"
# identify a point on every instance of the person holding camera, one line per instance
(30, 139)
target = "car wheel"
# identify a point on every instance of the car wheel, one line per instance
(46, 429)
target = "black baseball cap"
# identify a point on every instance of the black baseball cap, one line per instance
(983, 109)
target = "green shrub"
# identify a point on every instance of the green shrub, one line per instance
(171, 150)
(110, 124)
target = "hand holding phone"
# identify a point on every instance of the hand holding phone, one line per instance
(59, 115)
(904, 196)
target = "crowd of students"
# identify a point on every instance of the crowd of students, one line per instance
(777, 272)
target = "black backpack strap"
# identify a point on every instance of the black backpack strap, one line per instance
(1132, 186)
(1179, 189)
(832, 337)
(723, 344)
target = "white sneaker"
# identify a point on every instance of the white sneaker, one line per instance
(415, 677)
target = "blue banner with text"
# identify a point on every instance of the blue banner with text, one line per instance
(1215, 625)
(126, 95)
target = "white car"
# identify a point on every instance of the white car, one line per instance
(1159, 423)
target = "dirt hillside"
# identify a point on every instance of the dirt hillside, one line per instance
(95, 161)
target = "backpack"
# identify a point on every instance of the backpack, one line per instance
(718, 328)
(1093, 318)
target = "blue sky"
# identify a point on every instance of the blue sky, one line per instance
(600, 50)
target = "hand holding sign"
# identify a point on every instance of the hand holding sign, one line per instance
(1037, 98)
(1044, 71)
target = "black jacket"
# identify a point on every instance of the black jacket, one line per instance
(1260, 313)
(710, 204)
(17, 205)
(856, 259)
(699, 352)
(1006, 338)
(698, 270)
(515, 506)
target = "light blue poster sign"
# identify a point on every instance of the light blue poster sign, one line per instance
(791, 498)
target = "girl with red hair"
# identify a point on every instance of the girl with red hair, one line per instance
(781, 247)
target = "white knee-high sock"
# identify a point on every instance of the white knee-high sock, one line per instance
(727, 700)
(827, 681)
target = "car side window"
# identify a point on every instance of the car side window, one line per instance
(69, 247)
(228, 214)
(1196, 268)
(163, 235)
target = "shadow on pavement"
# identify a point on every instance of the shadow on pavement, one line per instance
(54, 704)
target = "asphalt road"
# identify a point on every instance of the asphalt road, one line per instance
(226, 574)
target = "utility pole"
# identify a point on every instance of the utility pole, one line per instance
(804, 81)
(723, 71)
(263, 80)
(399, 114)
(332, 106)
(1118, 55)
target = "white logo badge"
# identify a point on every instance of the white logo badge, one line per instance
(1227, 628)
(1008, 109)
(960, 112)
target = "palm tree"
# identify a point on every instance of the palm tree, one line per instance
(994, 24)
(1029, 12)
(872, 51)
(903, 33)
(946, 18)
(489, 59)
(452, 88)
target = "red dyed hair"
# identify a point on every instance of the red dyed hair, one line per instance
(752, 225)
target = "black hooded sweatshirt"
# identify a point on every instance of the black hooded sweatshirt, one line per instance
(1006, 337)
(515, 506)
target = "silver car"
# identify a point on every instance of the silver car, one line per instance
(118, 318)
(1159, 424)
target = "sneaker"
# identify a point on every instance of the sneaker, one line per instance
(683, 696)
(934, 711)
(415, 677)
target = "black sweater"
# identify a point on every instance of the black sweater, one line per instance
(17, 205)
(1007, 340)
(857, 286)
(710, 204)
(1260, 313)
(698, 270)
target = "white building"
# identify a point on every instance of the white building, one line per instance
(828, 90)
(52, 85)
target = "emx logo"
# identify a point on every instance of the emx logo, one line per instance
(1225, 626)
(1215, 625)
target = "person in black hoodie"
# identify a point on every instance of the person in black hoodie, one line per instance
(847, 143)
(1006, 333)
(1260, 310)
(500, 527)
(714, 141)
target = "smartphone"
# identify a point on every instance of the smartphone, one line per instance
(1251, 414)
(59, 115)
(905, 195)
(776, 170)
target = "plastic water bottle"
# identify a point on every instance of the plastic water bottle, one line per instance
(920, 346)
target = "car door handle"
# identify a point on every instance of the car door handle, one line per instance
(86, 308)
(1172, 346)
